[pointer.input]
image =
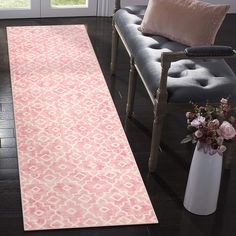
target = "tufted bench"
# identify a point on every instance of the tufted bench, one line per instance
(170, 72)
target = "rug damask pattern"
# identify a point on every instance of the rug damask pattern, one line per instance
(76, 166)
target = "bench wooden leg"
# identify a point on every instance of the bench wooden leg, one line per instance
(114, 49)
(160, 109)
(156, 138)
(131, 89)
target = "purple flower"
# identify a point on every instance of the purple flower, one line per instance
(198, 121)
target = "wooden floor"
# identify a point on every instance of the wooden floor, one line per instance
(166, 187)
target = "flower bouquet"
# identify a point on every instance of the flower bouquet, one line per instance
(210, 125)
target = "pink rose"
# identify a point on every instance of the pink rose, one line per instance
(189, 115)
(226, 130)
(198, 134)
(213, 123)
(216, 122)
(222, 148)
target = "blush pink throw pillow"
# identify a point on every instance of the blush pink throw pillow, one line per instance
(191, 22)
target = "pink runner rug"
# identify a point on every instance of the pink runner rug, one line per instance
(76, 166)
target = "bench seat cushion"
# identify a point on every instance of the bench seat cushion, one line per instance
(197, 80)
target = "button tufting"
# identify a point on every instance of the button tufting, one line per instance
(138, 22)
(191, 66)
(155, 46)
(216, 75)
(174, 75)
(202, 82)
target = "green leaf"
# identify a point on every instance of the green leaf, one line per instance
(194, 141)
(187, 139)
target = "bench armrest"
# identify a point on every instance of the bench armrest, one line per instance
(200, 52)
(209, 51)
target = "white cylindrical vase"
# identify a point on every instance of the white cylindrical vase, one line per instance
(203, 184)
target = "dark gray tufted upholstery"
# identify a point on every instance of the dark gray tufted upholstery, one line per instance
(196, 80)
